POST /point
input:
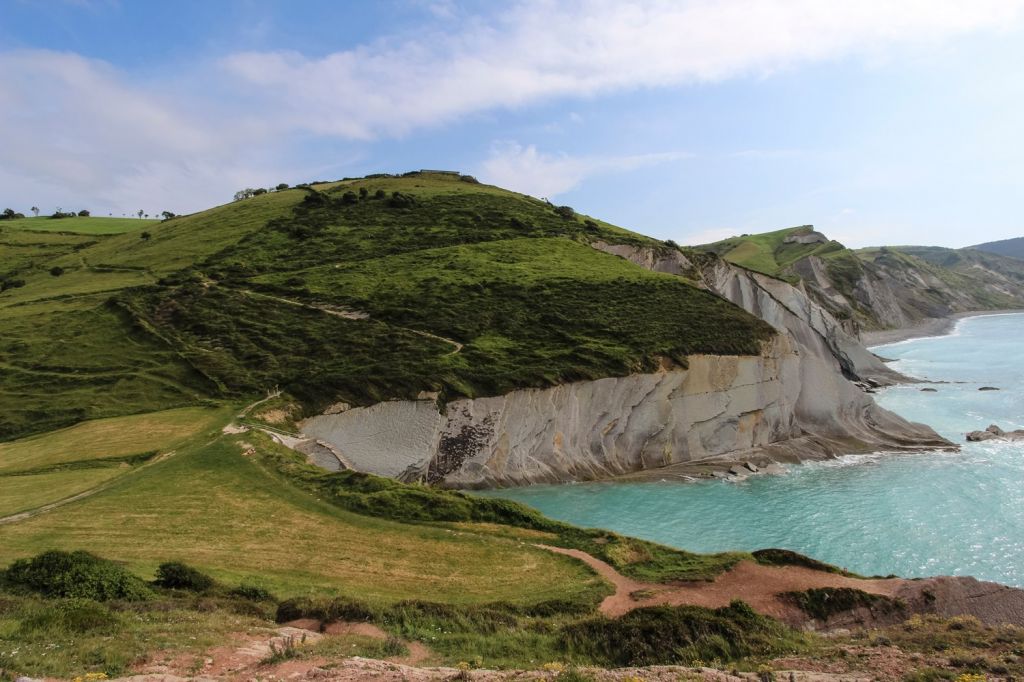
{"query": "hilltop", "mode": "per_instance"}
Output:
(1013, 248)
(880, 287)
(223, 303)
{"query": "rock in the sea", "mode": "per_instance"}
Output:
(929, 390)
(988, 388)
(751, 466)
(993, 432)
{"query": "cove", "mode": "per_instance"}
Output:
(932, 513)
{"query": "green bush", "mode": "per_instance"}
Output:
(77, 616)
(253, 593)
(77, 575)
(824, 602)
(178, 576)
(786, 557)
(326, 610)
(677, 635)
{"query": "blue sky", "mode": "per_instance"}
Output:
(880, 122)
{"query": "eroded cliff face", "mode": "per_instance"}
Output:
(795, 400)
(792, 312)
(718, 407)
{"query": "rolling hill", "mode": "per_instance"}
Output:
(1012, 248)
(885, 287)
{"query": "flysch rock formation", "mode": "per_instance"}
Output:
(794, 401)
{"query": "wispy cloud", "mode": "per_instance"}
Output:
(541, 49)
(90, 130)
(527, 170)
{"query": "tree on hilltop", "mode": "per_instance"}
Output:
(35, 211)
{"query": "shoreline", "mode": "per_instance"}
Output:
(930, 327)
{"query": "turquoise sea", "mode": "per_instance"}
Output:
(933, 513)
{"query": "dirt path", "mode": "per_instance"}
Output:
(755, 584)
(355, 315)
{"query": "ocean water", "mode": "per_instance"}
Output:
(932, 513)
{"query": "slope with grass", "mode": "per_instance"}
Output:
(883, 287)
(1012, 248)
(80, 225)
(461, 578)
(67, 352)
(43, 470)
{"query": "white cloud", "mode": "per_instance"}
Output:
(75, 133)
(541, 49)
(81, 131)
(529, 171)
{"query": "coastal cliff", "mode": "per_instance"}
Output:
(779, 405)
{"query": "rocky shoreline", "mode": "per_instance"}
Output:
(934, 326)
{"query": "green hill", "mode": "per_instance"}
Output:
(355, 291)
(1012, 248)
(880, 287)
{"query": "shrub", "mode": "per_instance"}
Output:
(78, 616)
(145, 236)
(75, 574)
(399, 200)
(470, 179)
(566, 212)
(823, 602)
(56, 271)
(10, 214)
(664, 635)
(83, 213)
(349, 198)
(380, 194)
(281, 186)
(785, 557)
(253, 593)
(178, 576)
(10, 283)
(340, 608)
(363, 193)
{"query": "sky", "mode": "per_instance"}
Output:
(877, 121)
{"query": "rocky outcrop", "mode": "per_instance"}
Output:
(993, 432)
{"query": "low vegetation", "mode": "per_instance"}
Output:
(824, 602)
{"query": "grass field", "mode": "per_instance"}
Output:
(223, 512)
(90, 225)
(26, 492)
(106, 438)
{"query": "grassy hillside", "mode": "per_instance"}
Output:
(359, 290)
(86, 225)
(69, 353)
(881, 287)
(1012, 248)
(771, 254)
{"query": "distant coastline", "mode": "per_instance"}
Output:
(934, 326)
